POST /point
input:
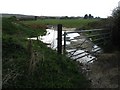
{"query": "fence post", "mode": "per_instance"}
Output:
(65, 42)
(59, 43)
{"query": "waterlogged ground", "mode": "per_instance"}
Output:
(102, 71)
(51, 40)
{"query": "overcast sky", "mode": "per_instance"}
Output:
(102, 8)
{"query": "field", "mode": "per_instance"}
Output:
(74, 23)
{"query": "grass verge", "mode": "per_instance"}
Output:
(31, 64)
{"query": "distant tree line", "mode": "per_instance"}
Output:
(88, 16)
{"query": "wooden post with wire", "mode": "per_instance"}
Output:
(59, 42)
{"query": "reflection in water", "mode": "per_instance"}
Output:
(51, 40)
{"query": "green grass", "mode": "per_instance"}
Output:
(75, 23)
(0, 22)
(50, 69)
(20, 30)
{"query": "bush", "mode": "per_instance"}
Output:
(116, 27)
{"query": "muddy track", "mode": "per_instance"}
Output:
(104, 72)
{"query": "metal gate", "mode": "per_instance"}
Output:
(86, 43)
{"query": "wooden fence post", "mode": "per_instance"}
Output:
(64, 51)
(59, 43)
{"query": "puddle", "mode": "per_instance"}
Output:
(51, 40)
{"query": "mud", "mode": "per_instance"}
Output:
(104, 72)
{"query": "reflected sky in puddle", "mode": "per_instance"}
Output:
(51, 39)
